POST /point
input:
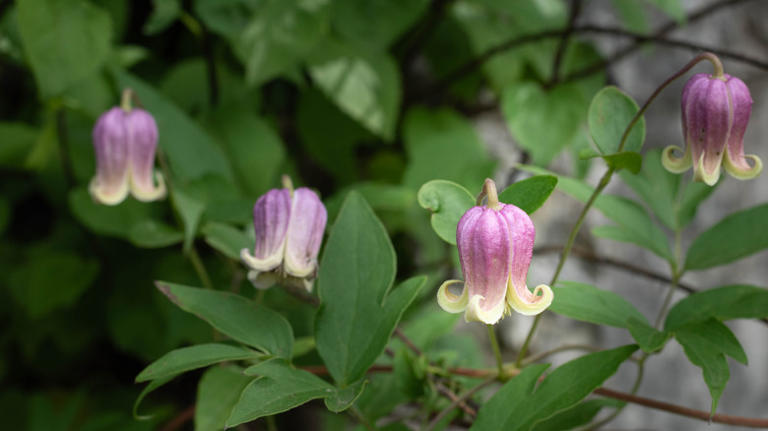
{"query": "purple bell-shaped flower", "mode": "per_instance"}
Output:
(289, 226)
(495, 248)
(125, 141)
(715, 113)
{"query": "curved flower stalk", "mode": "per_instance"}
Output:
(288, 225)
(495, 248)
(125, 142)
(715, 113)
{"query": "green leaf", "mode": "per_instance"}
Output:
(706, 344)
(280, 388)
(190, 211)
(164, 13)
(255, 150)
(217, 393)
(673, 8)
(542, 122)
(191, 152)
(529, 194)
(151, 386)
(189, 358)
(694, 194)
(381, 197)
(447, 201)
(518, 407)
(648, 338)
(363, 85)
(341, 399)
(51, 280)
(278, 36)
(375, 22)
(736, 236)
(609, 115)
(442, 144)
(151, 233)
(589, 304)
(358, 311)
(226, 239)
(234, 316)
(580, 414)
(18, 141)
(632, 14)
(117, 221)
(722, 303)
(65, 41)
(629, 160)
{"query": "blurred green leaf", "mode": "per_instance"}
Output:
(529, 194)
(18, 141)
(217, 393)
(381, 197)
(673, 8)
(190, 210)
(278, 36)
(648, 338)
(51, 280)
(442, 144)
(364, 85)
(358, 311)
(375, 22)
(65, 41)
(280, 388)
(447, 201)
(254, 148)
(516, 406)
(189, 358)
(226, 239)
(235, 316)
(706, 344)
(632, 14)
(150, 233)
(722, 303)
(580, 414)
(151, 386)
(191, 152)
(543, 123)
(164, 13)
(610, 113)
(342, 398)
(738, 235)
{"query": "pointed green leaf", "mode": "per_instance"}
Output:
(342, 399)
(587, 303)
(736, 236)
(609, 115)
(447, 201)
(190, 211)
(580, 414)
(723, 303)
(151, 386)
(151, 233)
(514, 407)
(226, 239)
(235, 316)
(280, 388)
(358, 311)
(184, 359)
(649, 339)
(217, 393)
(529, 194)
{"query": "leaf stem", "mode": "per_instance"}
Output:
(455, 403)
(496, 351)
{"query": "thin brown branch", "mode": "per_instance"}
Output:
(563, 45)
(414, 348)
(455, 399)
(458, 402)
(683, 411)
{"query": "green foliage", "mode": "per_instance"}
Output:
(189, 358)
(723, 303)
(447, 201)
(218, 392)
(610, 113)
(529, 194)
(358, 311)
(517, 406)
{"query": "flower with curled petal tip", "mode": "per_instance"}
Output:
(495, 248)
(125, 141)
(715, 113)
(288, 225)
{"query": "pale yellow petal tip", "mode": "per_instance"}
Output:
(543, 295)
(709, 178)
(113, 198)
(262, 280)
(260, 265)
(676, 165)
(152, 193)
(475, 313)
(743, 174)
(449, 301)
(308, 284)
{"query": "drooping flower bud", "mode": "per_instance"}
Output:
(715, 113)
(125, 141)
(495, 245)
(288, 226)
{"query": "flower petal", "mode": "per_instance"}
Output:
(735, 161)
(676, 165)
(542, 298)
(478, 310)
(110, 142)
(271, 214)
(305, 233)
(449, 301)
(142, 145)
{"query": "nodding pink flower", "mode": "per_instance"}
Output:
(495, 248)
(715, 113)
(288, 225)
(125, 141)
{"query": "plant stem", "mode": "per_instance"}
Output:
(202, 274)
(357, 414)
(455, 403)
(635, 387)
(496, 351)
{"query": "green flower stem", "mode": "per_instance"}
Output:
(202, 274)
(496, 351)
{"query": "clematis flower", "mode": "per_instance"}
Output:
(715, 113)
(125, 141)
(289, 226)
(495, 248)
